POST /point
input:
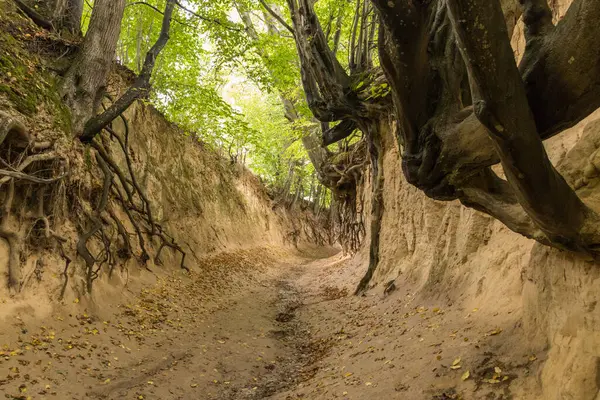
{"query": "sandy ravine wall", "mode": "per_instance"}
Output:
(447, 251)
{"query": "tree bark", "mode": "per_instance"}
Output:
(462, 106)
(501, 104)
(141, 86)
(67, 15)
(84, 83)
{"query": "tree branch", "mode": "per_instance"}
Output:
(339, 132)
(277, 17)
(208, 19)
(141, 86)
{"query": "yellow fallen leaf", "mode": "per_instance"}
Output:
(150, 383)
(465, 376)
(194, 385)
(107, 381)
(348, 374)
(455, 367)
(492, 381)
(532, 358)
(497, 370)
(368, 384)
(76, 301)
(495, 332)
(456, 362)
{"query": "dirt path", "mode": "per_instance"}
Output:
(185, 337)
(270, 329)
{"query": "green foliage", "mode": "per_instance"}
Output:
(223, 85)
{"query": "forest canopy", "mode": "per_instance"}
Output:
(223, 85)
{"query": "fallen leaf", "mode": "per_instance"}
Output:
(465, 376)
(492, 381)
(497, 370)
(456, 362)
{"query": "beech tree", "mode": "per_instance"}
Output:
(462, 104)
(85, 82)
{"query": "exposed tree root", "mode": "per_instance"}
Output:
(16, 156)
(376, 150)
(29, 170)
(35, 16)
(12, 237)
(97, 226)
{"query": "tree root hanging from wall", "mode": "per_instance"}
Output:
(376, 152)
(36, 180)
(28, 167)
(122, 186)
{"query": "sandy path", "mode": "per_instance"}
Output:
(279, 330)
(169, 341)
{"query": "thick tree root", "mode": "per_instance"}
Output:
(28, 169)
(17, 158)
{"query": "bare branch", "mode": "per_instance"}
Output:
(277, 17)
(339, 132)
(141, 86)
(208, 19)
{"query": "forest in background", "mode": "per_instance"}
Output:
(222, 77)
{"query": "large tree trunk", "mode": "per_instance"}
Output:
(67, 15)
(462, 106)
(85, 81)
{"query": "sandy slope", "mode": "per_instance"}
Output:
(277, 329)
(222, 334)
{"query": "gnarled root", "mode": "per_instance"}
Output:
(21, 165)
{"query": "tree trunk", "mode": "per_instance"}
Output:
(85, 81)
(67, 15)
